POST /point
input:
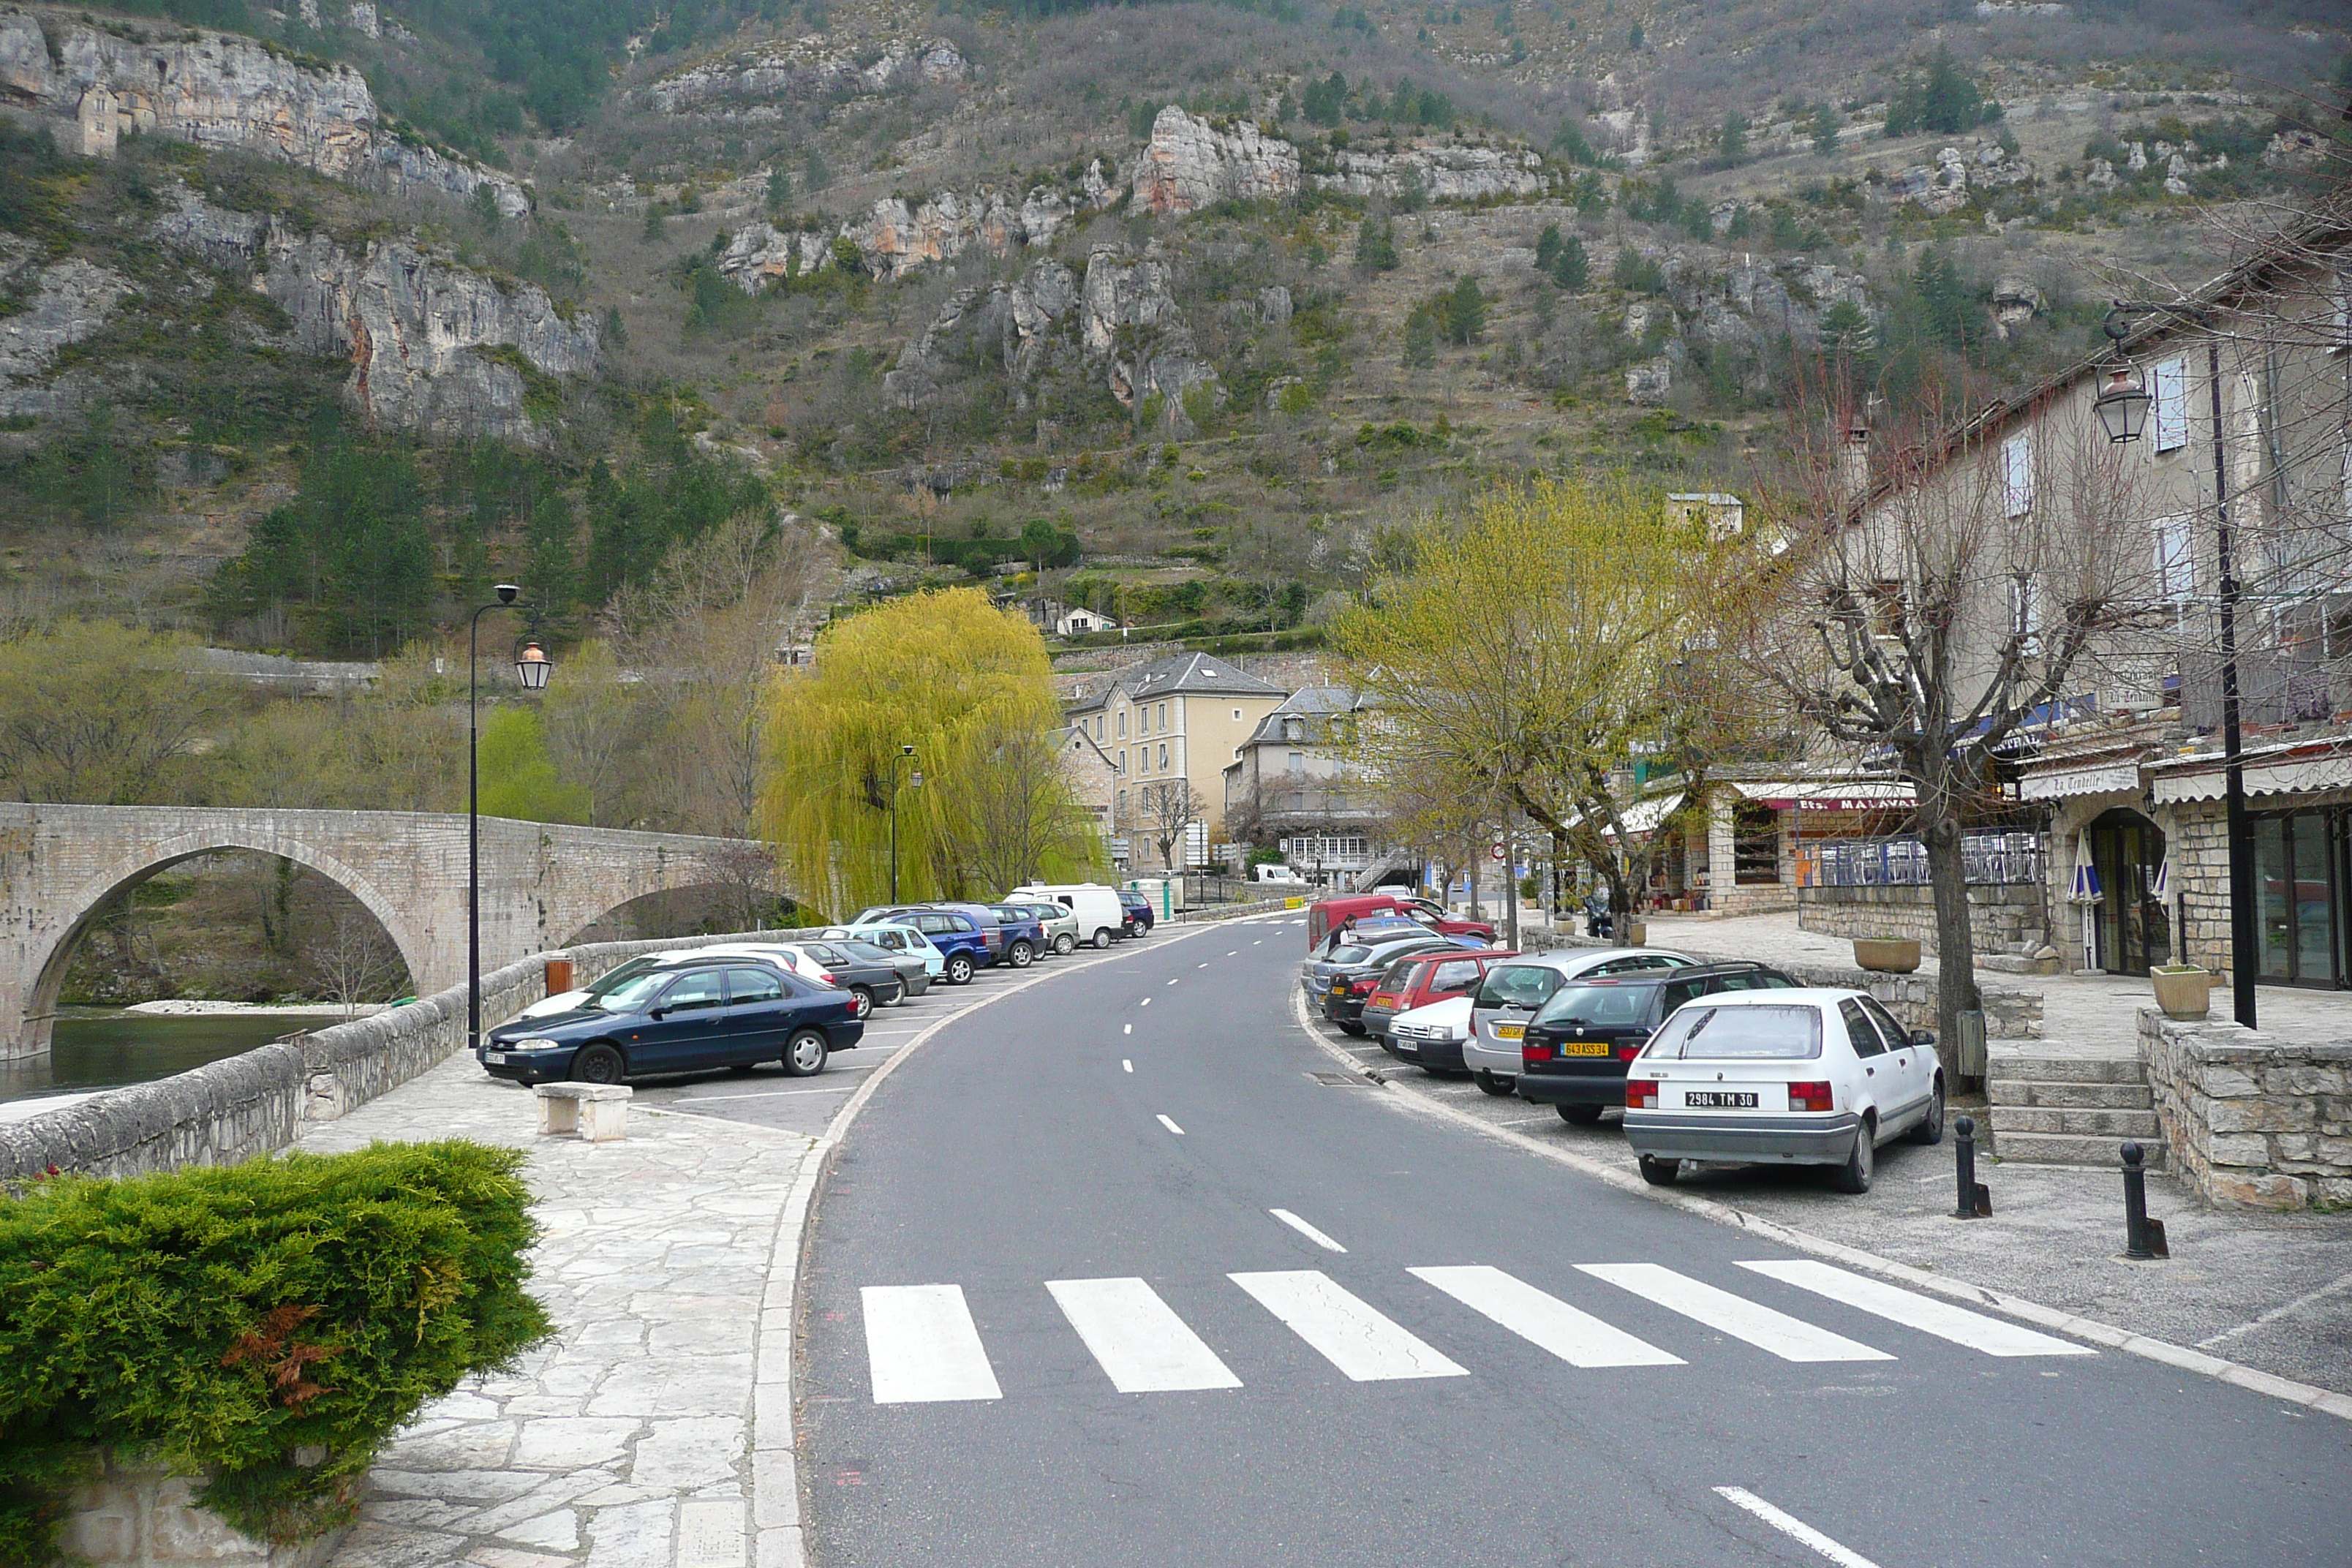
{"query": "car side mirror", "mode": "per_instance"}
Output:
(1923, 1037)
(658, 1012)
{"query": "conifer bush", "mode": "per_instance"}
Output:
(240, 1322)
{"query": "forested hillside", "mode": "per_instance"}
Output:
(1181, 309)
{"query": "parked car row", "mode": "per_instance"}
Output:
(1732, 1061)
(740, 1005)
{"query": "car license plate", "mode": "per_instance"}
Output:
(1717, 1099)
(495, 1059)
(1338, 988)
(1510, 1031)
(1584, 1049)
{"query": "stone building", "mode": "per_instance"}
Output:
(1292, 787)
(1175, 720)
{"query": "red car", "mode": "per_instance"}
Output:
(1416, 981)
(1326, 914)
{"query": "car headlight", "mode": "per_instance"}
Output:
(532, 1044)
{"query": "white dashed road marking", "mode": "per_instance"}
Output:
(1795, 1529)
(923, 1347)
(1172, 1126)
(1577, 1338)
(1308, 1231)
(1914, 1310)
(1347, 1332)
(1788, 1338)
(1142, 1346)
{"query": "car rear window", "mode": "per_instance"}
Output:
(1350, 952)
(1598, 1006)
(1519, 985)
(1700, 1032)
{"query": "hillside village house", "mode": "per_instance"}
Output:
(1292, 788)
(2122, 777)
(1183, 718)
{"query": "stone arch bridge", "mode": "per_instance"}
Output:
(541, 883)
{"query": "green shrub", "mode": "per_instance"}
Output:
(223, 1319)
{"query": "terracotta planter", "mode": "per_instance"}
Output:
(1886, 954)
(2182, 991)
(1637, 933)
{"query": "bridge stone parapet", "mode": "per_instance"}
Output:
(541, 883)
(250, 1104)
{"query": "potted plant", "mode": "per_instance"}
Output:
(2183, 990)
(1886, 954)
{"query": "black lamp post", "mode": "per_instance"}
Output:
(2122, 409)
(914, 781)
(532, 668)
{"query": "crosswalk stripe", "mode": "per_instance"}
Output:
(1577, 1338)
(1914, 1310)
(1788, 1338)
(1347, 1332)
(921, 1346)
(1139, 1341)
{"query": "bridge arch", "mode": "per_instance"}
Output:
(52, 946)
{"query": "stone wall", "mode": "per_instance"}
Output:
(2003, 917)
(2251, 1121)
(250, 1104)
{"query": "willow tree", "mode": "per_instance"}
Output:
(969, 687)
(1530, 648)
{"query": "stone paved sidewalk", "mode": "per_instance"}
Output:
(655, 1430)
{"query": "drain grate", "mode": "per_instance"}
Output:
(1341, 1079)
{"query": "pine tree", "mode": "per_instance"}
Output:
(1376, 246)
(1825, 131)
(1466, 313)
(1571, 268)
(780, 189)
(1734, 139)
(1546, 247)
(1420, 339)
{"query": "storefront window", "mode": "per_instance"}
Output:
(2271, 911)
(2299, 878)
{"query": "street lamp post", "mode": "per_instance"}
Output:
(2122, 408)
(532, 668)
(914, 781)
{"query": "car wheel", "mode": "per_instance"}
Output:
(805, 1053)
(1023, 954)
(1931, 1126)
(861, 1003)
(959, 969)
(598, 1064)
(1659, 1172)
(1103, 937)
(1066, 944)
(1579, 1115)
(1854, 1176)
(1490, 1083)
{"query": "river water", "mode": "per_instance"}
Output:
(105, 1048)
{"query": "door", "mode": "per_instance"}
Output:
(1883, 1082)
(1915, 1065)
(758, 1014)
(2126, 848)
(691, 1029)
(2299, 880)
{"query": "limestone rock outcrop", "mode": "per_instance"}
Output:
(220, 89)
(893, 238)
(62, 304)
(1192, 163)
(1440, 172)
(1128, 320)
(434, 347)
(748, 82)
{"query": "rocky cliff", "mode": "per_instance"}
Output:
(894, 237)
(1192, 163)
(218, 89)
(57, 305)
(434, 347)
(1439, 171)
(750, 83)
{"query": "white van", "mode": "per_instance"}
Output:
(1096, 905)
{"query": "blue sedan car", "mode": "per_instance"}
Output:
(685, 1016)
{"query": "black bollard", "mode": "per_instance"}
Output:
(2143, 1236)
(1975, 1199)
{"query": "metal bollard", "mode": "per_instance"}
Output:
(2143, 1236)
(1976, 1198)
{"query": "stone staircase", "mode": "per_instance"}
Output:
(2059, 1110)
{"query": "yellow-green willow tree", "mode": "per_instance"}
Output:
(1535, 643)
(968, 687)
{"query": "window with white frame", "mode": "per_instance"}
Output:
(2176, 562)
(2167, 391)
(2017, 475)
(1163, 756)
(2025, 613)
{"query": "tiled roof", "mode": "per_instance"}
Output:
(1181, 674)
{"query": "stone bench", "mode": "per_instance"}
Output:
(597, 1113)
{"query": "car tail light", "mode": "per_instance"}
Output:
(829, 979)
(1361, 988)
(1640, 1093)
(1627, 1053)
(1531, 1052)
(1810, 1097)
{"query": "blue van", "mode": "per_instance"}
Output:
(686, 1016)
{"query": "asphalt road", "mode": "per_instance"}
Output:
(1053, 1200)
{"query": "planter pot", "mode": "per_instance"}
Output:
(1886, 954)
(140, 1514)
(2183, 991)
(1637, 933)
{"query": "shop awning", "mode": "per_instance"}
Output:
(2087, 778)
(1643, 815)
(1825, 795)
(2283, 775)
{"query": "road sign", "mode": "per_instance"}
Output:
(1496, 852)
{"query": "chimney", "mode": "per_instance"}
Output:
(1854, 459)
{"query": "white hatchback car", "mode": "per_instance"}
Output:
(1796, 1077)
(1440, 1022)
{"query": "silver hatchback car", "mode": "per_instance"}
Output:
(1513, 991)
